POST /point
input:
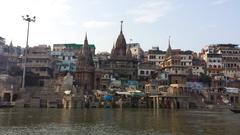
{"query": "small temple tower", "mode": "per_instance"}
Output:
(85, 69)
(176, 70)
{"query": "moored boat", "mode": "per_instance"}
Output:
(6, 105)
(235, 110)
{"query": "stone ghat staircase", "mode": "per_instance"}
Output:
(38, 97)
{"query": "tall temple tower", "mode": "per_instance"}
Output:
(123, 65)
(85, 69)
(177, 72)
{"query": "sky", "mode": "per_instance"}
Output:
(192, 24)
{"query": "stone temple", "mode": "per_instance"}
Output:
(122, 64)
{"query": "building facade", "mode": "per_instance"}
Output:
(39, 61)
(177, 69)
(198, 67)
(9, 55)
(67, 55)
(230, 59)
(222, 58)
(136, 51)
(157, 56)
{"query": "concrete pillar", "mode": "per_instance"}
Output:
(153, 103)
(120, 102)
(11, 97)
(70, 104)
(157, 102)
(172, 104)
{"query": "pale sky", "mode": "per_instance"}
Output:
(192, 24)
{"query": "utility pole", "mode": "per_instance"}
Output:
(28, 19)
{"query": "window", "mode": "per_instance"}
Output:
(147, 72)
(152, 57)
(141, 72)
(152, 72)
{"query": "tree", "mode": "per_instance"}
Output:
(205, 79)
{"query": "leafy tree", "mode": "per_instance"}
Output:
(205, 79)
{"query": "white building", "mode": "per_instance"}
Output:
(157, 56)
(136, 50)
(198, 67)
(223, 58)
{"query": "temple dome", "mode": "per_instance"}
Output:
(119, 50)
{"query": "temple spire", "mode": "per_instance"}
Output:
(11, 44)
(85, 41)
(85, 56)
(169, 50)
(169, 42)
(121, 26)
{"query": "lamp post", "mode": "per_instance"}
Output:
(28, 19)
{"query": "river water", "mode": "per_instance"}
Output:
(117, 122)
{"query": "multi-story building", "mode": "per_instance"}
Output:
(72, 47)
(214, 63)
(9, 56)
(146, 70)
(157, 56)
(2, 41)
(198, 66)
(136, 51)
(39, 61)
(222, 58)
(101, 60)
(177, 68)
(157, 85)
(67, 54)
(230, 59)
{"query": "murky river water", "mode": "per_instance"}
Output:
(118, 122)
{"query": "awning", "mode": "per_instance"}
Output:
(108, 97)
(123, 93)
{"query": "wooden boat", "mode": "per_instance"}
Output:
(6, 105)
(235, 110)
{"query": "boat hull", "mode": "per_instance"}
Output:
(235, 110)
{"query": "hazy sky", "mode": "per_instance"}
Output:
(192, 24)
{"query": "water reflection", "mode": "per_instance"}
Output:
(117, 121)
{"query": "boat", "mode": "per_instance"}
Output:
(235, 110)
(6, 105)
